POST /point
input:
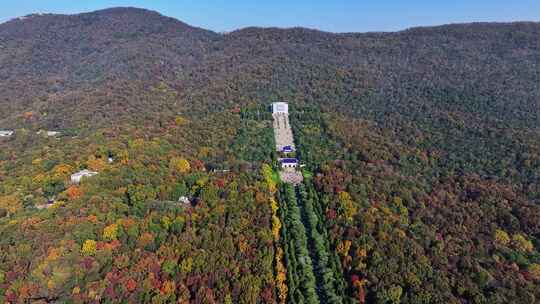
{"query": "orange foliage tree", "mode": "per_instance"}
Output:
(74, 192)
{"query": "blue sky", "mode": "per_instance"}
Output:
(328, 15)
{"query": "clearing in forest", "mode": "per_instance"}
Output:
(285, 144)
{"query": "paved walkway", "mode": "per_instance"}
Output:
(291, 176)
(284, 137)
(282, 131)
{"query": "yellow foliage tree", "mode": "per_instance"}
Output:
(344, 247)
(123, 157)
(243, 246)
(346, 207)
(89, 247)
(110, 232)
(62, 170)
(501, 238)
(361, 254)
(204, 152)
(186, 265)
(76, 290)
(281, 276)
(521, 243)
(276, 223)
(180, 121)
(180, 164)
(38, 178)
(137, 143)
(96, 164)
(267, 173)
(11, 203)
(534, 270)
(274, 206)
(276, 226)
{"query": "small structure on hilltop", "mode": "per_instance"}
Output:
(6, 133)
(77, 177)
(289, 163)
(280, 107)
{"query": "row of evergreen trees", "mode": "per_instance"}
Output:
(300, 276)
(328, 269)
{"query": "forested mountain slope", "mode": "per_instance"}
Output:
(422, 150)
(63, 59)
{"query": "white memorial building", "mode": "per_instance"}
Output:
(280, 107)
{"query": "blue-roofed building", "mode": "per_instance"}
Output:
(289, 162)
(287, 149)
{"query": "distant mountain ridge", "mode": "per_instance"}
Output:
(62, 57)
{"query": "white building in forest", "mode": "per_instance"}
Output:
(280, 107)
(49, 133)
(288, 163)
(6, 133)
(184, 200)
(77, 177)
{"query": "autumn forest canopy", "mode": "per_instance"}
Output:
(420, 155)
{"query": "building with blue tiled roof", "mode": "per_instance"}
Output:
(287, 149)
(289, 162)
